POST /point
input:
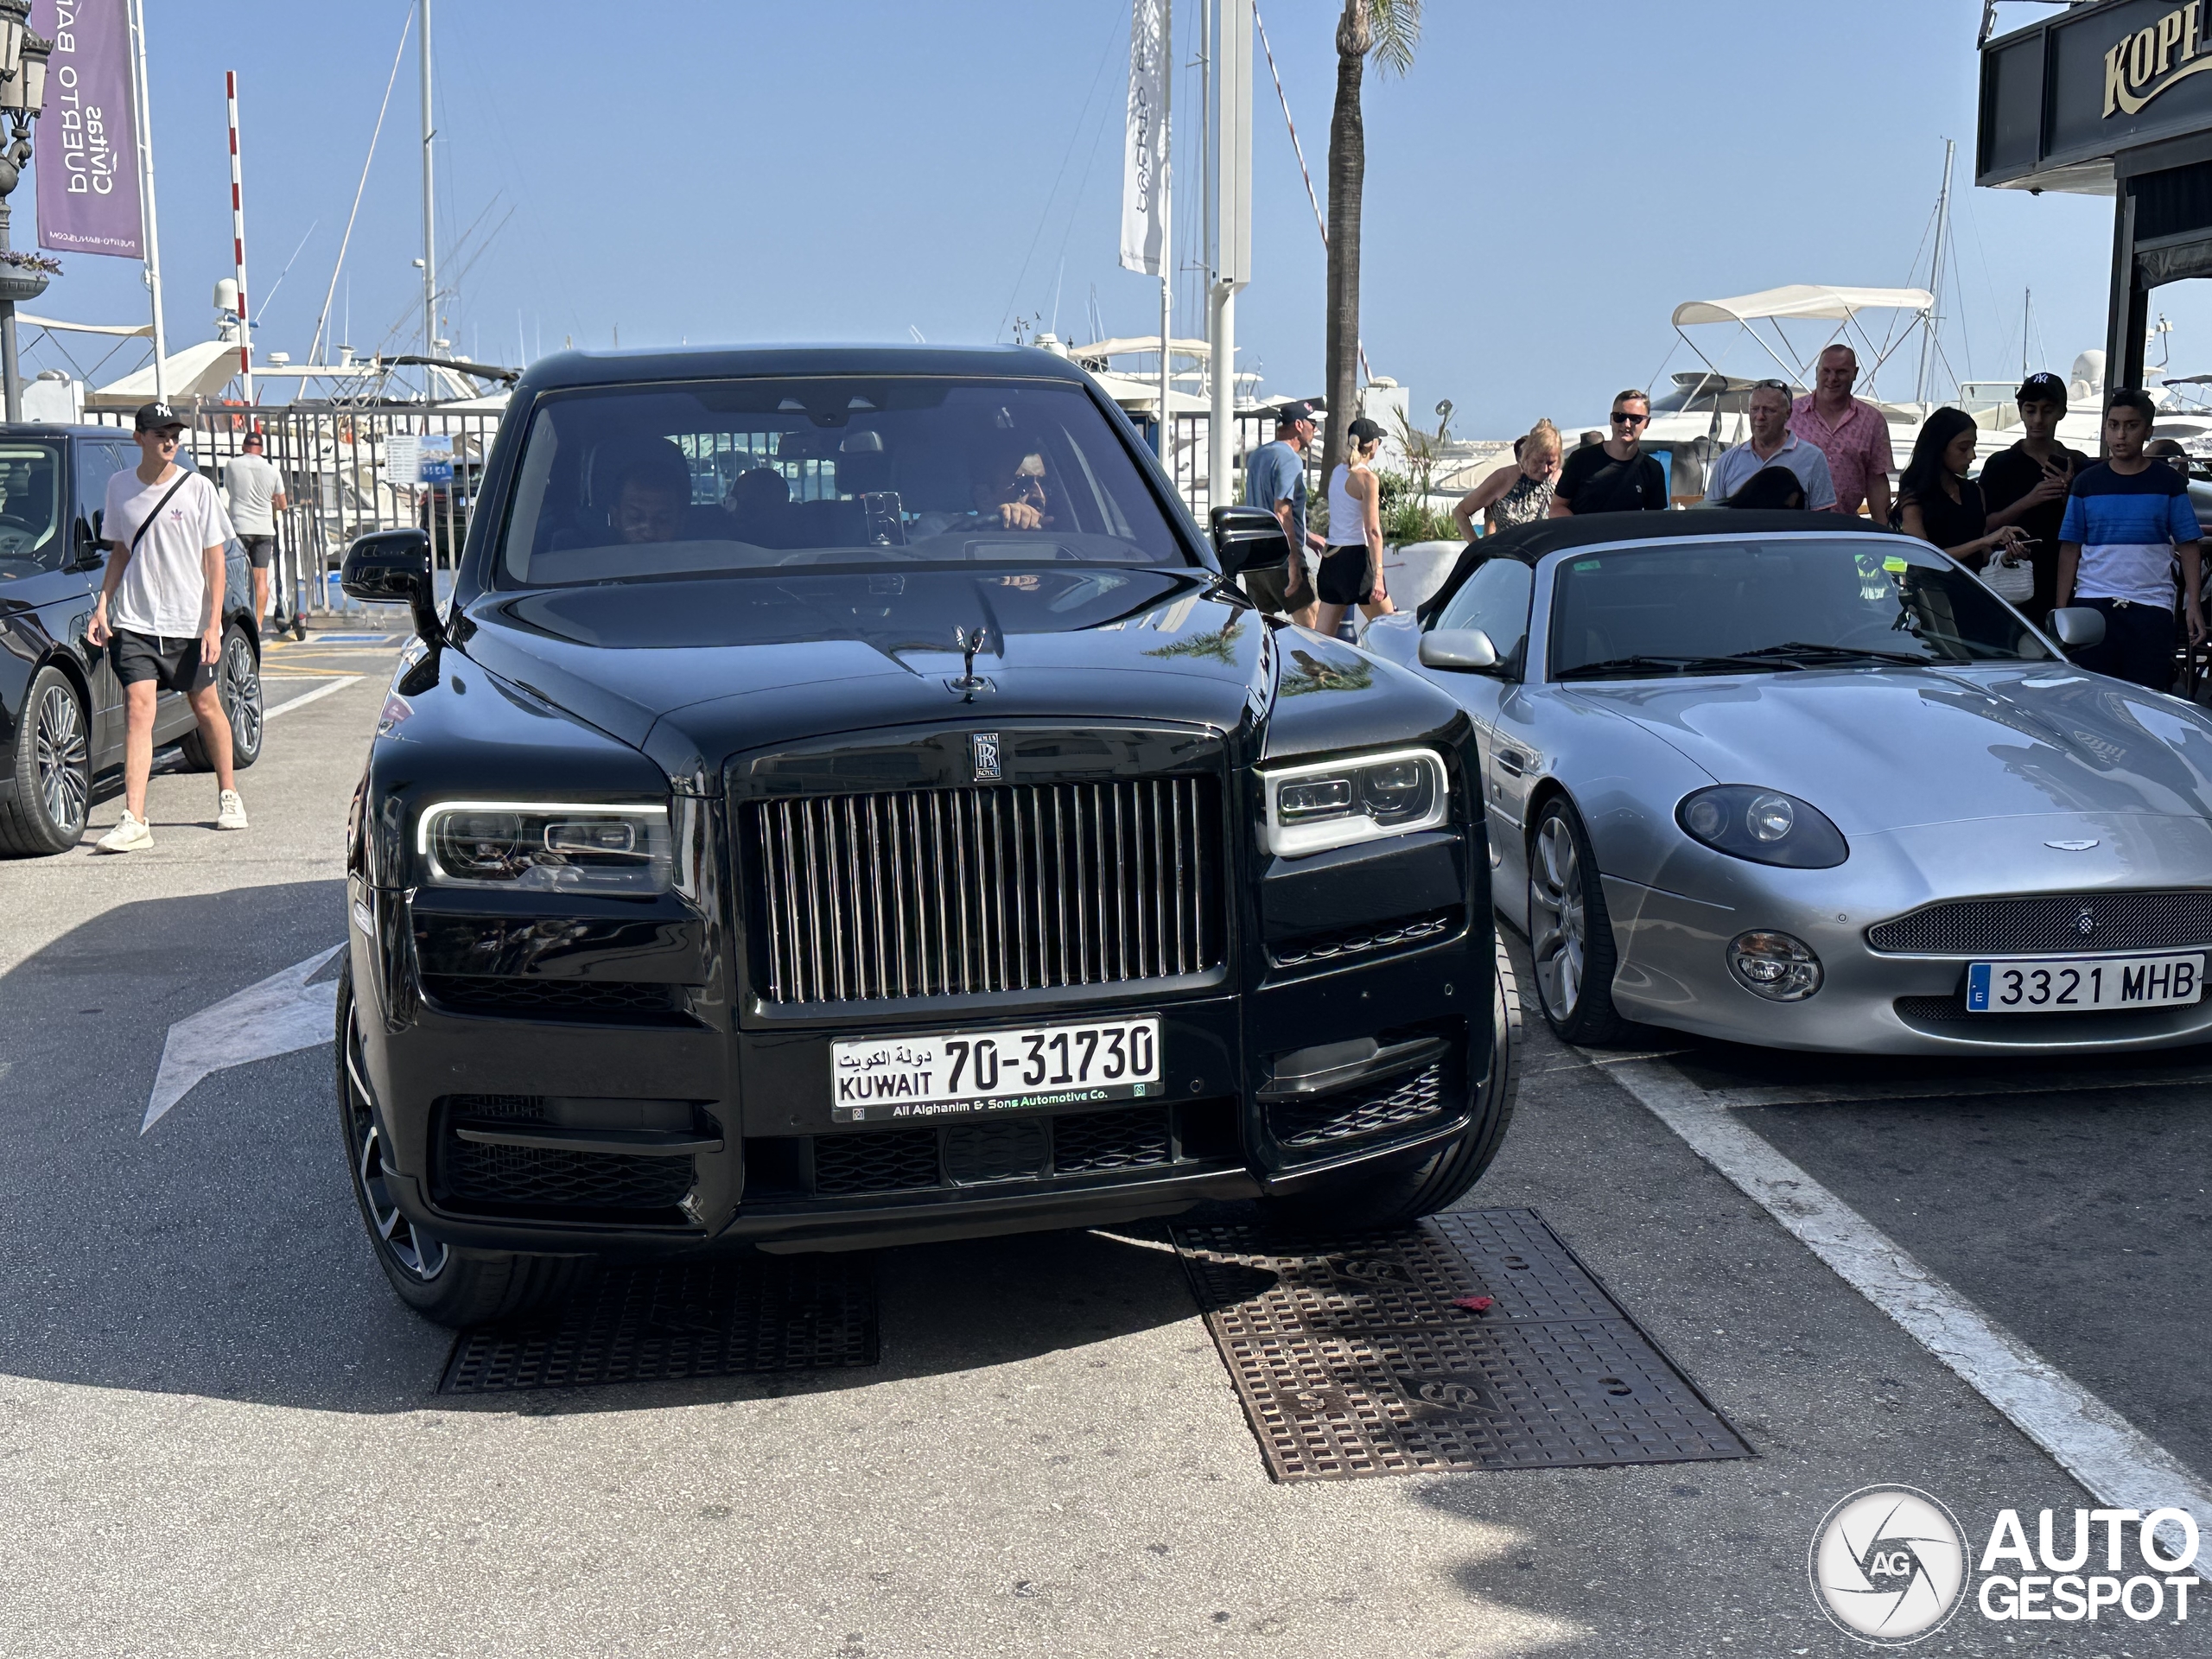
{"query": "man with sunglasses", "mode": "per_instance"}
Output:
(1615, 476)
(1852, 435)
(1771, 444)
(166, 530)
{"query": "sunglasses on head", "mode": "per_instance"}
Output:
(1622, 418)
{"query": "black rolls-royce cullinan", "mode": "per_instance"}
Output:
(844, 802)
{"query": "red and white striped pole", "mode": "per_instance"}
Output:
(238, 236)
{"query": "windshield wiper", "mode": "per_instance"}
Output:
(1794, 649)
(1648, 664)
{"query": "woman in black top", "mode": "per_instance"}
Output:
(1937, 502)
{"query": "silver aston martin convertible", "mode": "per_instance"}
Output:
(1788, 780)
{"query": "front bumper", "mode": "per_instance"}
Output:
(1673, 940)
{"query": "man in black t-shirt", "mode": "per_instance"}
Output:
(1615, 476)
(2026, 485)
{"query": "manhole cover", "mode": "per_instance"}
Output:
(698, 1318)
(1352, 1356)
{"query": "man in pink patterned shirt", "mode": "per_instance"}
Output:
(1851, 434)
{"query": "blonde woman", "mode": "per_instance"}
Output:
(1351, 570)
(1519, 494)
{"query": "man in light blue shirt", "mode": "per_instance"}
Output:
(1275, 477)
(1772, 444)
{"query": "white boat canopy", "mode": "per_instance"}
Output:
(1805, 299)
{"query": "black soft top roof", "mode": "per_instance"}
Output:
(1530, 543)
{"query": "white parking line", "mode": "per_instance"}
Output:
(2117, 1463)
(306, 697)
(1961, 1087)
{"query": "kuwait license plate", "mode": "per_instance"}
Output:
(2081, 984)
(1029, 1069)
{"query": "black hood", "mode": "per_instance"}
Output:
(691, 671)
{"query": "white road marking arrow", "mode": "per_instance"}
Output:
(281, 1014)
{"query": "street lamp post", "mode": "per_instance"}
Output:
(23, 95)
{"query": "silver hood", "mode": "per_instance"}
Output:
(1888, 749)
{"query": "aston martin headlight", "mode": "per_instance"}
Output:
(546, 847)
(1365, 797)
(1775, 965)
(1762, 825)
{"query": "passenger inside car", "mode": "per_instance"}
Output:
(655, 491)
(758, 503)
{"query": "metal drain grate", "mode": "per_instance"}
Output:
(1351, 1358)
(695, 1319)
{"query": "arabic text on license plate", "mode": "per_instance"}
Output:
(966, 1072)
(2083, 984)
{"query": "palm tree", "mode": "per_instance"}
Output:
(1388, 31)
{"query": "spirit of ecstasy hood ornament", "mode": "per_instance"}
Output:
(970, 640)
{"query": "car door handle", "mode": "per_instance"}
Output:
(1511, 762)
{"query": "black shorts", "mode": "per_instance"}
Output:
(173, 665)
(1343, 578)
(2137, 646)
(259, 550)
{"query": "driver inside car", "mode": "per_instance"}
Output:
(654, 495)
(1010, 486)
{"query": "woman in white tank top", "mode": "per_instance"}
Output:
(1351, 570)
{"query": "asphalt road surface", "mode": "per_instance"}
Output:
(219, 1434)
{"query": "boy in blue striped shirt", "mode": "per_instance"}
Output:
(2127, 519)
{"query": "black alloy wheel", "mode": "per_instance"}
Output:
(42, 812)
(446, 1285)
(1359, 1201)
(238, 682)
(1570, 935)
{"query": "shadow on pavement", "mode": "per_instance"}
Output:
(221, 1253)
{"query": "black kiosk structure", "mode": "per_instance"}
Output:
(2112, 98)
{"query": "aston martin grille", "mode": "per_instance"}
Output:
(959, 891)
(2051, 921)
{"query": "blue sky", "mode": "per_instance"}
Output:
(1541, 189)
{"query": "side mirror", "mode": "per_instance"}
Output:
(1249, 539)
(2078, 626)
(393, 566)
(1468, 651)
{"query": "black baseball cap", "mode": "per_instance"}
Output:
(153, 417)
(1292, 413)
(2042, 387)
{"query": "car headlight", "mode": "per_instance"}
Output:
(1762, 825)
(1777, 966)
(546, 847)
(1330, 804)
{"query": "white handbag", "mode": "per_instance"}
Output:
(2014, 582)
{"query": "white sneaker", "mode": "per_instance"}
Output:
(230, 813)
(130, 834)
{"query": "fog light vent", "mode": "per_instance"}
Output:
(1775, 966)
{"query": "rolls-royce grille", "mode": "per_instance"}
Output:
(958, 892)
(2076, 922)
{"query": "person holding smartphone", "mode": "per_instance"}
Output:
(2026, 484)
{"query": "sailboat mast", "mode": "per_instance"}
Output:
(429, 223)
(1167, 227)
(1928, 339)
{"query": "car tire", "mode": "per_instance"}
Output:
(1364, 1201)
(446, 1286)
(1570, 934)
(43, 810)
(238, 681)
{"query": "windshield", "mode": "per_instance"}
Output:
(717, 476)
(1749, 607)
(31, 509)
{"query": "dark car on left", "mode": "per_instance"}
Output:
(60, 705)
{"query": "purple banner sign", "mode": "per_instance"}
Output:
(87, 154)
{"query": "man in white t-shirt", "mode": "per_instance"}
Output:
(160, 614)
(254, 493)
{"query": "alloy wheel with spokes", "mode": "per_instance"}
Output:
(416, 1253)
(1570, 935)
(65, 778)
(242, 697)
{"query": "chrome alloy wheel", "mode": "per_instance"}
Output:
(420, 1255)
(242, 693)
(1557, 928)
(65, 780)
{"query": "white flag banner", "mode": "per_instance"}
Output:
(1144, 165)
